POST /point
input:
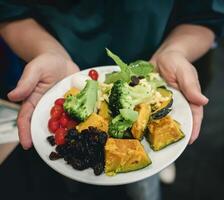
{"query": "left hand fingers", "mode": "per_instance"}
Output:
(189, 84)
(197, 112)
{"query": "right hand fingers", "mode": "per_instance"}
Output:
(24, 118)
(26, 84)
(24, 92)
(23, 123)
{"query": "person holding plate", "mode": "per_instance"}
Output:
(58, 38)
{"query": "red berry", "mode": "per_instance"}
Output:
(60, 136)
(59, 101)
(93, 74)
(56, 111)
(53, 125)
(64, 121)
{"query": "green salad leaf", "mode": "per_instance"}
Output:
(141, 68)
(124, 74)
(137, 68)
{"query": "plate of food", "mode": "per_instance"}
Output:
(111, 125)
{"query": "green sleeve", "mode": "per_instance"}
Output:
(12, 10)
(208, 13)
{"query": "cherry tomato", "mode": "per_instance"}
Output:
(65, 114)
(59, 101)
(93, 74)
(71, 124)
(53, 125)
(56, 111)
(60, 136)
(64, 121)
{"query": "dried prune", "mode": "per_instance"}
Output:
(72, 135)
(51, 140)
(102, 138)
(98, 168)
(54, 156)
(62, 149)
(78, 164)
(83, 150)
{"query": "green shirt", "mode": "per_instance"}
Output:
(133, 29)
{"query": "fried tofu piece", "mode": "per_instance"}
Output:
(94, 120)
(164, 132)
(124, 155)
(139, 126)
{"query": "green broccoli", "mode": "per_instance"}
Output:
(83, 104)
(119, 126)
(124, 96)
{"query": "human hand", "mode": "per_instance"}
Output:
(182, 75)
(38, 76)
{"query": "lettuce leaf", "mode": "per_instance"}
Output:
(137, 68)
(124, 74)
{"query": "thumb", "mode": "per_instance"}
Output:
(26, 84)
(189, 85)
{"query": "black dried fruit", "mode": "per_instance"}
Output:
(83, 150)
(78, 164)
(72, 134)
(54, 156)
(102, 138)
(51, 140)
(61, 149)
(98, 169)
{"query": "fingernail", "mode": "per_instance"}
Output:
(10, 94)
(205, 99)
(190, 142)
(27, 146)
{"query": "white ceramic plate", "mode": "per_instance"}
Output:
(161, 159)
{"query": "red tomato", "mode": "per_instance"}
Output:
(53, 125)
(59, 101)
(65, 114)
(71, 124)
(56, 111)
(60, 136)
(93, 74)
(64, 121)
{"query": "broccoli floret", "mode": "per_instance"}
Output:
(124, 96)
(118, 127)
(83, 104)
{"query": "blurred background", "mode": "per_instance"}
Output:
(199, 170)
